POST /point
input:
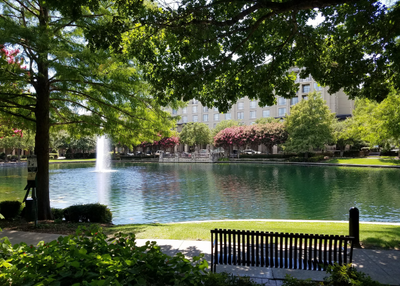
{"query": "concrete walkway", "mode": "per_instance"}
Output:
(382, 265)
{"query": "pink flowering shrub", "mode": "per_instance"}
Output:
(269, 134)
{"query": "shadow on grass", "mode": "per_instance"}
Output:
(387, 239)
(131, 228)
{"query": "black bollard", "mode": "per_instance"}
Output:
(354, 226)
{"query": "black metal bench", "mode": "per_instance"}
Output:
(279, 250)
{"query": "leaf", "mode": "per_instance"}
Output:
(75, 264)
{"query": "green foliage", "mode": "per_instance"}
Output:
(224, 124)
(344, 275)
(189, 52)
(57, 213)
(90, 258)
(195, 133)
(88, 212)
(265, 120)
(378, 123)
(310, 125)
(10, 209)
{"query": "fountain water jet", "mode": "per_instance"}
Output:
(103, 160)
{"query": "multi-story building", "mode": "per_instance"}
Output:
(247, 111)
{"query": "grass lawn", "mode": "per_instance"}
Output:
(387, 161)
(72, 160)
(371, 235)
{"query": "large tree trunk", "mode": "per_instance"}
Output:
(42, 140)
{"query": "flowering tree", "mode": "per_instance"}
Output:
(231, 136)
(269, 134)
(163, 144)
(273, 134)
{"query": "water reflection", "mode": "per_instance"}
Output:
(142, 193)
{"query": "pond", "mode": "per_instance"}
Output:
(146, 193)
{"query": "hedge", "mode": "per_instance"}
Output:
(10, 209)
(88, 213)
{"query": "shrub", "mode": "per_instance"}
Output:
(297, 159)
(344, 275)
(3, 156)
(351, 153)
(10, 209)
(57, 213)
(90, 258)
(88, 212)
(317, 158)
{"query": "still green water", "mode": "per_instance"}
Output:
(144, 193)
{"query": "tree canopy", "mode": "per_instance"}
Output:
(310, 125)
(218, 52)
(224, 124)
(51, 80)
(378, 123)
(195, 133)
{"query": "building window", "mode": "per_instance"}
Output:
(184, 110)
(195, 118)
(252, 123)
(253, 114)
(240, 105)
(317, 87)
(184, 119)
(205, 117)
(306, 88)
(216, 117)
(194, 108)
(205, 109)
(266, 113)
(281, 111)
(214, 125)
(294, 100)
(216, 109)
(281, 101)
(174, 111)
(305, 97)
(253, 104)
(240, 115)
(194, 101)
(228, 116)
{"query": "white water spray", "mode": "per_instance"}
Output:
(103, 158)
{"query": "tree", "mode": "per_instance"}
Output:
(224, 124)
(345, 134)
(219, 53)
(265, 120)
(195, 133)
(67, 85)
(378, 123)
(309, 125)
(274, 133)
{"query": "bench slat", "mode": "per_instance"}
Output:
(279, 250)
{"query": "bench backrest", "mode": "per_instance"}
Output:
(279, 250)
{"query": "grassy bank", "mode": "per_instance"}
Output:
(366, 161)
(371, 235)
(72, 160)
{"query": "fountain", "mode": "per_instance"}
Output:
(103, 160)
